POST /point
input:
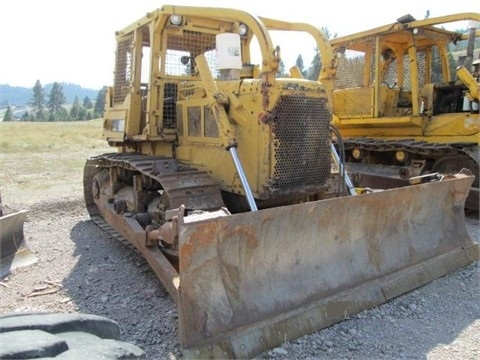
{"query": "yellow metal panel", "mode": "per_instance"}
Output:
(114, 124)
(353, 103)
(451, 125)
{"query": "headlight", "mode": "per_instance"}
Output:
(357, 153)
(176, 20)
(242, 29)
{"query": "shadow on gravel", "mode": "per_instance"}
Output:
(113, 280)
(416, 325)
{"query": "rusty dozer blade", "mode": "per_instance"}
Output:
(250, 281)
(13, 248)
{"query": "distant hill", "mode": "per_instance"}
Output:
(20, 96)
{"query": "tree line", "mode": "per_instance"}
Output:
(52, 107)
(311, 72)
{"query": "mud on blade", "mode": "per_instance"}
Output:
(249, 281)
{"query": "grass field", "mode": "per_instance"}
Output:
(41, 160)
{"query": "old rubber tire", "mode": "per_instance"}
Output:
(453, 164)
(63, 336)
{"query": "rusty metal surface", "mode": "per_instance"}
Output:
(133, 232)
(14, 251)
(387, 177)
(249, 281)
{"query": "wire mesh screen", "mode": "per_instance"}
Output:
(351, 97)
(170, 105)
(351, 66)
(421, 63)
(391, 75)
(183, 49)
(123, 71)
(302, 152)
(391, 78)
(350, 70)
(354, 86)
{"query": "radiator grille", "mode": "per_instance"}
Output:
(302, 144)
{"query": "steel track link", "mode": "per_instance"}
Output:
(183, 185)
(409, 145)
(102, 224)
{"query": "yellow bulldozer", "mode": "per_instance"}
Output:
(226, 180)
(404, 105)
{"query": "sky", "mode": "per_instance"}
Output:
(73, 41)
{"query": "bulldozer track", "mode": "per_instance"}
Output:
(424, 150)
(102, 224)
(442, 157)
(409, 145)
(182, 185)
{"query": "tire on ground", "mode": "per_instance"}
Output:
(63, 336)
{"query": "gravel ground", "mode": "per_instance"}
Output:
(81, 269)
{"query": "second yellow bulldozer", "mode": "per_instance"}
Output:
(404, 105)
(225, 178)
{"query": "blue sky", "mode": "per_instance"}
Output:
(73, 41)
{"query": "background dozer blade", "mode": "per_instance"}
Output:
(13, 249)
(250, 281)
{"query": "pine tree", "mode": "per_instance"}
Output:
(87, 103)
(328, 34)
(38, 102)
(26, 116)
(316, 64)
(453, 66)
(281, 73)
(56, 99)
(63, 115)
(100, 103)
(315, 67)
(8, 114)
(300, 65)
(76, 110)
